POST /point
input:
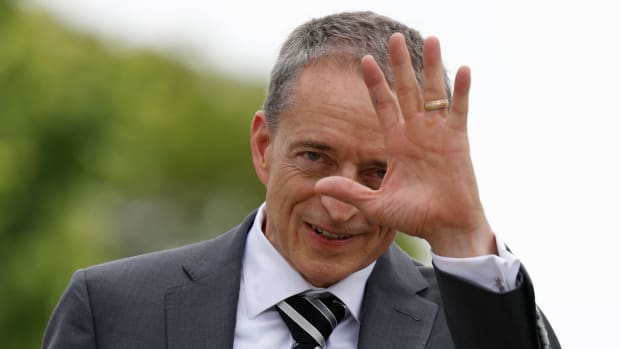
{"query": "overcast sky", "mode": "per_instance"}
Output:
(543, 122)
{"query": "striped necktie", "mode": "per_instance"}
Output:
(311, 318)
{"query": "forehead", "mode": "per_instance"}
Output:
(331, 103)
(337, 90)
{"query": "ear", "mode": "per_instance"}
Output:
(260, 142)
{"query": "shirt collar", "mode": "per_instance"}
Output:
(268, 278)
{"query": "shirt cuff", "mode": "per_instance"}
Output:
(494, 273)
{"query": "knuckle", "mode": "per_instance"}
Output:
(405, 90)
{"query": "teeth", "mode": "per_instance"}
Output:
(330, 235)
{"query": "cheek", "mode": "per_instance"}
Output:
(383, 241)
(289, 182)
(286, 190)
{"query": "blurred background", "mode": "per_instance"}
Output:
(107, 151)
(124, 129)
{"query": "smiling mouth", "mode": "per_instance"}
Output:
(329, 235)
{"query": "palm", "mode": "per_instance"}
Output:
(429, 189)
(430, 183)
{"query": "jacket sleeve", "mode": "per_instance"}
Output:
(71, 324)
(479, 318)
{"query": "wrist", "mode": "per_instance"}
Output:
(458, 243)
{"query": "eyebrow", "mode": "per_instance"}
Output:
(311, 144)
(380, 164)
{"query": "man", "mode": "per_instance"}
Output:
(356, 142)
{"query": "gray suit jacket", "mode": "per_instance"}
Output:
(187, 298)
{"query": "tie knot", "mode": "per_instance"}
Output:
(311, 318)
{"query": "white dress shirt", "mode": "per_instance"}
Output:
(267, 279)
(495, 273)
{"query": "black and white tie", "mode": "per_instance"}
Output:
(311, 318)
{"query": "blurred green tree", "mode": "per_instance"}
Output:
(106, 152)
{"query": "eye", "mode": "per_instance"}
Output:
(377, 173)
(374, 177)
(312, 156)
(314, 163)
(381, 172)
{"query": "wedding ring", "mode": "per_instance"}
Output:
(436, 104)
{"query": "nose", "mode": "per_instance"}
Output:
(338, 211)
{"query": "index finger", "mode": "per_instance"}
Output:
(382, 98)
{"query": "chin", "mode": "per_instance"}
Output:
(325, 274)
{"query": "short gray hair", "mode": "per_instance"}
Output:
(346, 36)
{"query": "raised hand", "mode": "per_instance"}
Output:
(429, 189)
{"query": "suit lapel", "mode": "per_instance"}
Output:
(393, 312)
(202, 313)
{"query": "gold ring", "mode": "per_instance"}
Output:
(436, 104)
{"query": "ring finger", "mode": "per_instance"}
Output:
(434, 84)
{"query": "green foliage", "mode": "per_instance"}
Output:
(105, 153)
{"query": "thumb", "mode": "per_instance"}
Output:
(346, 190)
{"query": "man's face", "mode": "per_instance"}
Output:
(331, 130)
